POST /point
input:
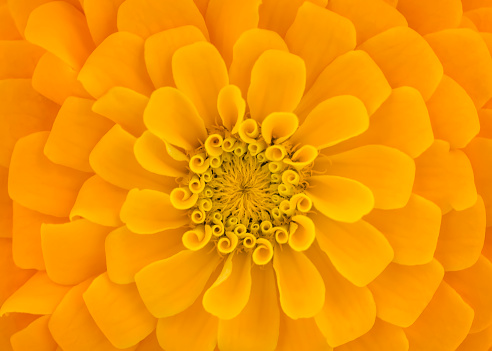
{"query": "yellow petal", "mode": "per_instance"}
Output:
(101, 17)
(369, 17)
(118, 311)
(231, 107)
(318, 36)
(36, 336)
(73, 251)
(124, 107)
(113, 160)
(75, 133)
(149, 211)
(120, 52)
(300, 334)
(402, 292)
(279, 126)
(357, 250)
(19, 58)
(340, 198)
(466, 59)
(349, 311)
(171, 115)
(248, 48)
(303, 235)
(461, 238)
(39, 295)
(227, 20)
(445, 177)
(62, 30)
(39, 184)
(348, 118)
(200, 72)
(152, 16)
(127, 252)
(277, 84)
(412, 231)
(353, 73)
(160, 48)
(443, 325)
(293, 269)
(171, 285)
(257, 326)
(395, 50)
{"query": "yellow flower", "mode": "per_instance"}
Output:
(245, 175)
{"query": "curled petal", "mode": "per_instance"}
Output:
(302, 202)
(231, 107)
(263, 252)
(248, 131)
(227, 244)
(213, 145)
(197, 238)
(303, 234)
(279, 126)
(302, 157)
(183, 198)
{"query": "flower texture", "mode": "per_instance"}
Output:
(246, 175)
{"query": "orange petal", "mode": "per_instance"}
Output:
(5, 205)
(257, 326)
(319, 36)
(75, 133)
(340, 198)
(127, 252)
(443, 325)
(481, 341)
(481, 18)
(300, 334)
(277, 84)
(38, 184)
(118, 311)
(36, 336)
(227, 20)
(349, 311)
(248, 48)
(466, 59)
(357, 250)
(445, 177)
(200, 72)
(171, 115)
(412, 231)
(73, 251)
(160, 48)
(152, 16)
(113, 160)
(8, 30)
(353, 73)
(150, 343)
(19, 58)
(485, 117)
(101, 17)
(62, 30)
(120, 52)
(395, 50)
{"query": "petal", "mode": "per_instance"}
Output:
(349, 311)
(340, 198)
(114, 161)
(62, 30)
(36, 336)
(466, 59)
(171, 285)
(485, 117)
(39, 295)
(319, 36)
(127, 252)
(73, 251)
(257, 326)
(277, 84)
(294, 269)
(149, 211)
(124, 107)
(171, 115)
(231, 107)
(150, 343)
(38, 184)
(19, 58)
(353, 73)
(8, 30)
(101, 17)
(120, 52)
(118, 311)
(402, 292)
(5, 205)
(279, 126)
(229, 294)
(152, 16)
(227, 20)
(395, 51)
(480, 18)
(75, 133)
(347, 119)
(369, 17)
(300, 334)
(443, 325)
(445, 177)
(428, 17)
(160, 48)
(358, 251)
(247, 49)
(481, 341)
(387, 172)
(412, 231)
(200, 72)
